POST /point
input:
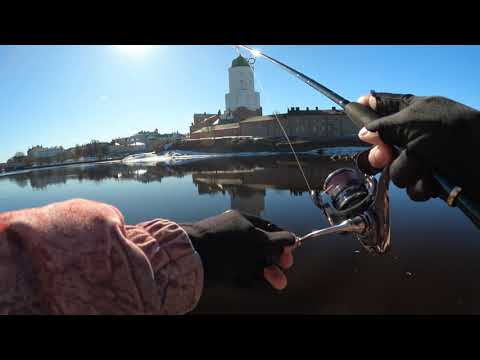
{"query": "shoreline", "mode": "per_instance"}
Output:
(176, 154)
(27, 169)
(238, 144)
(180, 157)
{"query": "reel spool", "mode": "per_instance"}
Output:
(354, 202)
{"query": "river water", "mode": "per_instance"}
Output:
(432, 268)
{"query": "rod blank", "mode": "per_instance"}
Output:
(337, 99)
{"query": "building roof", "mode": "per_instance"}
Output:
(217, 127)
(316, 111)
(240, 61)
(304, 114)
(262, 118)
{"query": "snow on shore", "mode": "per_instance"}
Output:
(181, 157)
(178, 157)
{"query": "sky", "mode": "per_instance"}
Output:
(67, 95)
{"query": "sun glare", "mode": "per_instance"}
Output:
(133, 50)
(256, 53)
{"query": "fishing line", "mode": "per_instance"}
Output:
(293, 151)
(261, 88)
(362, 209)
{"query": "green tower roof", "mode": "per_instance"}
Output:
(240, 61)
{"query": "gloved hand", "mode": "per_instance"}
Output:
(437, 134)
(240, 249)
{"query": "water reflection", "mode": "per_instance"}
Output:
(432, 267)
(245, 180)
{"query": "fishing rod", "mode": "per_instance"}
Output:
(362, 115)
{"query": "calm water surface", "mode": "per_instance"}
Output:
(433, 266)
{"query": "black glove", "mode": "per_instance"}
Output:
(235, 247)
(438, 134)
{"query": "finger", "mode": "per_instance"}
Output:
(405, 170)
(363, 164)
(370, 137)
(368, 100)
(423, 189)
(380, 156)
(275, 277)
(286, 259)
(282, 257)
(364, 100)
(279, 252)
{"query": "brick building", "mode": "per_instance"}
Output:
(313, 124)
(203, 120)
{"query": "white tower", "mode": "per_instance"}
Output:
(242, 90)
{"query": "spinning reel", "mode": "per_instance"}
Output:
(354, 202)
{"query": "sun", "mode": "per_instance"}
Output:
(256, 53)
(133, 50)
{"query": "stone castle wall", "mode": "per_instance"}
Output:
(313, 124)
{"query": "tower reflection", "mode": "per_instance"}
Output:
(245, 179)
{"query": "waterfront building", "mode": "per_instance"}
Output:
(202, 122)
(150, 139)
(40, 152)
(242, 101)
(307, 123)
(199, 120)
(243, 115)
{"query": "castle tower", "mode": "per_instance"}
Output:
(242, 92)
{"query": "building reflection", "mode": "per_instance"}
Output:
(248, 200)
(246, 180)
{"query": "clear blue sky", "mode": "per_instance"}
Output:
(63, 95)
